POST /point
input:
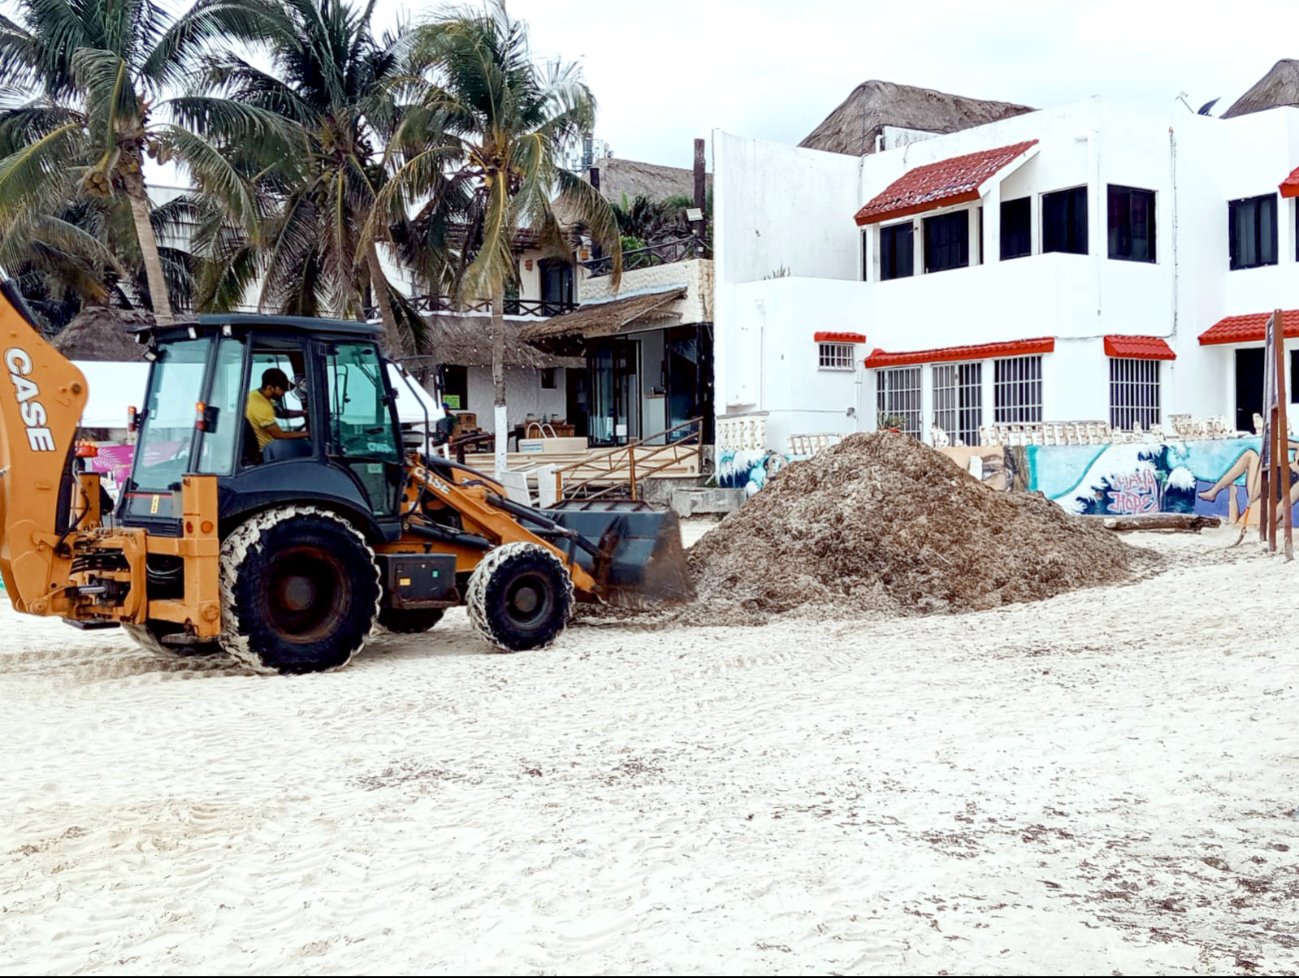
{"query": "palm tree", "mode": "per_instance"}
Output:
(335, 84)
(76, 125)
(508, 120)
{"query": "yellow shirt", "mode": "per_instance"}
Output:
(260, 413)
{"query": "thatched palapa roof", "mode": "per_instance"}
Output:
(463, 341)
(605, 318)
(1278, 87)
(628, 177)
(852, 127)
(98, 333)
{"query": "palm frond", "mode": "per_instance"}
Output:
(41, 175)
(105, 78)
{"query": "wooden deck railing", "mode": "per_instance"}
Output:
(625, 468)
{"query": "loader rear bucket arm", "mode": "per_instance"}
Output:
(41, 403)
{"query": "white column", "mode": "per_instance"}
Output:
(1035, 224)
(992, 223)
(926, 401)
(972, 230)
(1285, 240)
(917, 246)
(989, 395)
(1097, 233)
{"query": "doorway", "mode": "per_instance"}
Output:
(1249, 387)
(614, 371)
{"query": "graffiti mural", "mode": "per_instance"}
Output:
(1219, 477)
(748, 469)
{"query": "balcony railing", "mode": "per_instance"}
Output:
(513, 307)
(682, 249)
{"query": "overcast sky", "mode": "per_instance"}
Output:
(666, 71)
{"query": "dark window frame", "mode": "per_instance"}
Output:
(1248, 243)
(892, 264)
(1022, 237)
(947, 241)
(1065, 221)
(1122, 206)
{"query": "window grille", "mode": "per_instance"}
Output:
(1134, 393)
(1017, 390)
(835, 356)
(898, 399)
(958, 401)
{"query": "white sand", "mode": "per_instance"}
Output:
(1100, 783)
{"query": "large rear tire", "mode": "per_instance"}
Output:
(300, 591)
(519, 597)
(409, 621)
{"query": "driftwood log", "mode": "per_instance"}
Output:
(1187, 522)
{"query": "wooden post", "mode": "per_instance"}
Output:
(1283, 433)
(631, 466)
(1273, 480)
(1266, 487)
(700, 192)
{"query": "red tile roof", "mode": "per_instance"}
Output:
(948, 354)
(1138, 348)
(840, 337)
(1251, 328)
(940, 184)
(1290, 185)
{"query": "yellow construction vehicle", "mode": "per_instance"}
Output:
(286, 549)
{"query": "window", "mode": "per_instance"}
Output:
(162, 449)
(958, 401)
(1064, 221)
(896, 252)
(865, 256)
(1016, 228)
(947, 241)
(226, 409)
(1294, 377)
(834, 356)
(1134, 393)
(898, 399)
(1131, 224)
(361, 433)
(454, 384)
(1017, 390)
(1251, 226)
(548, 379)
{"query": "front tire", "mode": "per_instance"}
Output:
(300, 591)
(519, 597)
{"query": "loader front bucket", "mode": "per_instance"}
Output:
(642, 564)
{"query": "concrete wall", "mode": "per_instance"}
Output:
(780, 207)
(523, 395)
(696, 275)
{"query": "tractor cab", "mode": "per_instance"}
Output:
(281, 409)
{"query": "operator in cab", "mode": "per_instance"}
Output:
(263, 410)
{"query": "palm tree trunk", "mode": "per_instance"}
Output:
(162, 313)
(379, 285)
(498, 375)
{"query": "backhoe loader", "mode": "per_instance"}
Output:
(286, 555)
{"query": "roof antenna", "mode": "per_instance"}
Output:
(1181, 97)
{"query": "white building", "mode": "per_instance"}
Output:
(1081, 263)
